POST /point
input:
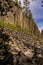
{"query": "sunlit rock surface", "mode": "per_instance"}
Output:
(11, 13)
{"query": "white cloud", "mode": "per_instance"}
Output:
(40, 25)
(37, 12)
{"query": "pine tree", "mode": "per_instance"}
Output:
(16, 1)
(26, 7)
(30, 16)
(19, 3)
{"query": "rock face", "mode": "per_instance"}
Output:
(24, 49)
(42, 35)
(11, 13)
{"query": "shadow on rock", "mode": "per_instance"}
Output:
(8, 60)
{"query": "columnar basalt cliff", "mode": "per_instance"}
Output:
(20, 42)
(41, 35)
(11, 13)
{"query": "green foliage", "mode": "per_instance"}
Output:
(16, 2)
(2, 23)
(26, 7)
(30, 16)
(10, 26)
(26, 31)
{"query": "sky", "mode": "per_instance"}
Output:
(37, 12)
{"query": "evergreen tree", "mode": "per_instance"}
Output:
(30, 16)
(26, 7)
(19, 3)
(16, 1)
